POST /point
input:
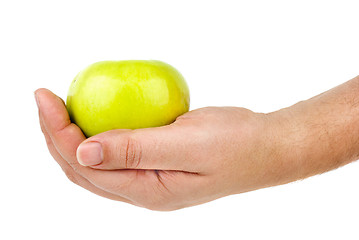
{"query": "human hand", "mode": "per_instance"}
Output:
(205, 154)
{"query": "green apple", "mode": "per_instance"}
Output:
(126, 95)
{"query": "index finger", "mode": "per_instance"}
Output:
(66, 137)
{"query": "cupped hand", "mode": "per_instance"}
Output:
(205, 154)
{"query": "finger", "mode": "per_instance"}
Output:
(66, 137)
(162, 148)
(72, 175)
(157, 189)
(58, 124)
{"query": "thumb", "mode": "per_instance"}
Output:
(161, 148)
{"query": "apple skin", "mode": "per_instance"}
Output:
(128, 94)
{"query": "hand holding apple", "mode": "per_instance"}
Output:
(206, 153)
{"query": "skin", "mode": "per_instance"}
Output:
(207, 153)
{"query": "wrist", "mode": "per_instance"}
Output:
(289, 143)
(316, 135)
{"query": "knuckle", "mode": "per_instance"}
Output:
(132, 153)
(119, 187)
(159, 197)
(47, 137)
(74, 166)
(71, 176)
(160, 205)
(48, 141)
(154, 207)
(156, 203)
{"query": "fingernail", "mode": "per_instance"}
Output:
(37, 100)
(89, 154)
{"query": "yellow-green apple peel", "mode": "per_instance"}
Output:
(126, 95)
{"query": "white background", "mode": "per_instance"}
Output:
(262, 55)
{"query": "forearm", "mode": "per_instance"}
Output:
(319, 134)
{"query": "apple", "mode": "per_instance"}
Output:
(127, 94)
